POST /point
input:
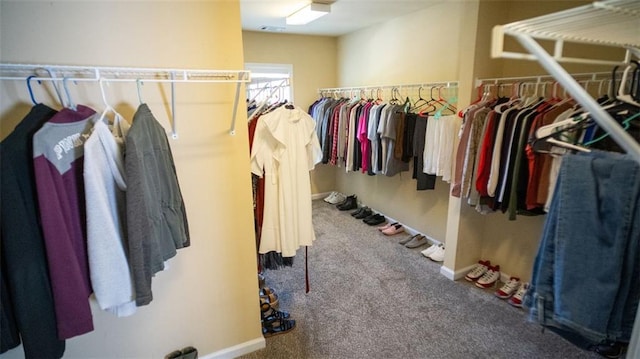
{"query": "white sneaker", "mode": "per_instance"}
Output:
(338, 198)
(478, 271)
(516, 300)
(430, 250)
(490, 278)
(509, 288)
(330, 197)
(437, 255)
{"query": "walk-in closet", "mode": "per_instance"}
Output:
(394, 179)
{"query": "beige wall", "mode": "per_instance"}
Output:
(416, 48)
(208, 296)
(314, 66)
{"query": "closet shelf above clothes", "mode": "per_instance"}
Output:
(64, 73)
(612, 23)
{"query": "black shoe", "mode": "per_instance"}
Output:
(355, 213)
(374, 220)
(364, 214)
(346, 200)
(349, 204)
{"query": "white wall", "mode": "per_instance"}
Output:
(208, 297)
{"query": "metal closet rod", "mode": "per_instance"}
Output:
(382, 87)
(591, 76)
(17, 72)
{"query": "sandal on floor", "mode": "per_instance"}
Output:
(276, 327)
(269, 314)
(271, 300)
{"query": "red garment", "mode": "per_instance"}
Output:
(258, 196)
(486, 153)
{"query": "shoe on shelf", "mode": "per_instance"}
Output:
(418, 241)
(330, 197)
(350, 203)
(437, 255)
(478, 271)
(393, 230)
(516, 300)
(364, 214)
(381, 228)
(509, 288)
(338, 198)
(406, 240)
(489, 278)
(374, 219)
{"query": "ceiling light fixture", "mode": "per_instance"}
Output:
(308, 13)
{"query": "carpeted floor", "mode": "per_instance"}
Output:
(373, 298)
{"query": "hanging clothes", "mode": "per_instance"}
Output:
(591, 236)
(58, 164)
(105, 186)
(285, 149)
(27, 312)
(156, 216)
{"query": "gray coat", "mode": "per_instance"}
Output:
(156, 216)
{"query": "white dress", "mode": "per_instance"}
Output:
(285, 148)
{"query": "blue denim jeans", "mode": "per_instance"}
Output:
(586, 275)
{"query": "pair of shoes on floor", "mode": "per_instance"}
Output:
(185, 353)
(516, 299)
(275, 322)
(478, 270)
(374, 219)
(484, 274)
(382, 228)
(362, 213)
(417, 241)
(267, 295)
(335, 198)
(435, 253)
(351, 202)
(509, 288)
(393, 229)
(489, 278)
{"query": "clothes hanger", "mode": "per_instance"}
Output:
(139, 85)
(33, 99)
(623, 95)
(70, 103)
(420, 101)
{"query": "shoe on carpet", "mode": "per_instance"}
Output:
(350, 203)
(406, 240)
(381, 228)
(338, 198)
(330, 197)
(509, 288)
(418, 241)
(477, 271)
(516, 300)
(358, 211)
(364, 214)
(437, 255)
(277, 326)
(489, 278)
(374, 219)
(393, 230)
(430, 250)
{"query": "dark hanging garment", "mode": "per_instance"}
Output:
(25, 276)
(156, 216)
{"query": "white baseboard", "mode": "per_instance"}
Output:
(448, 273)
(237, 350)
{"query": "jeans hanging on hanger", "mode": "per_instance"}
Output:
(586, 280)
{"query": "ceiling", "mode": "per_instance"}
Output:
(346, 15)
